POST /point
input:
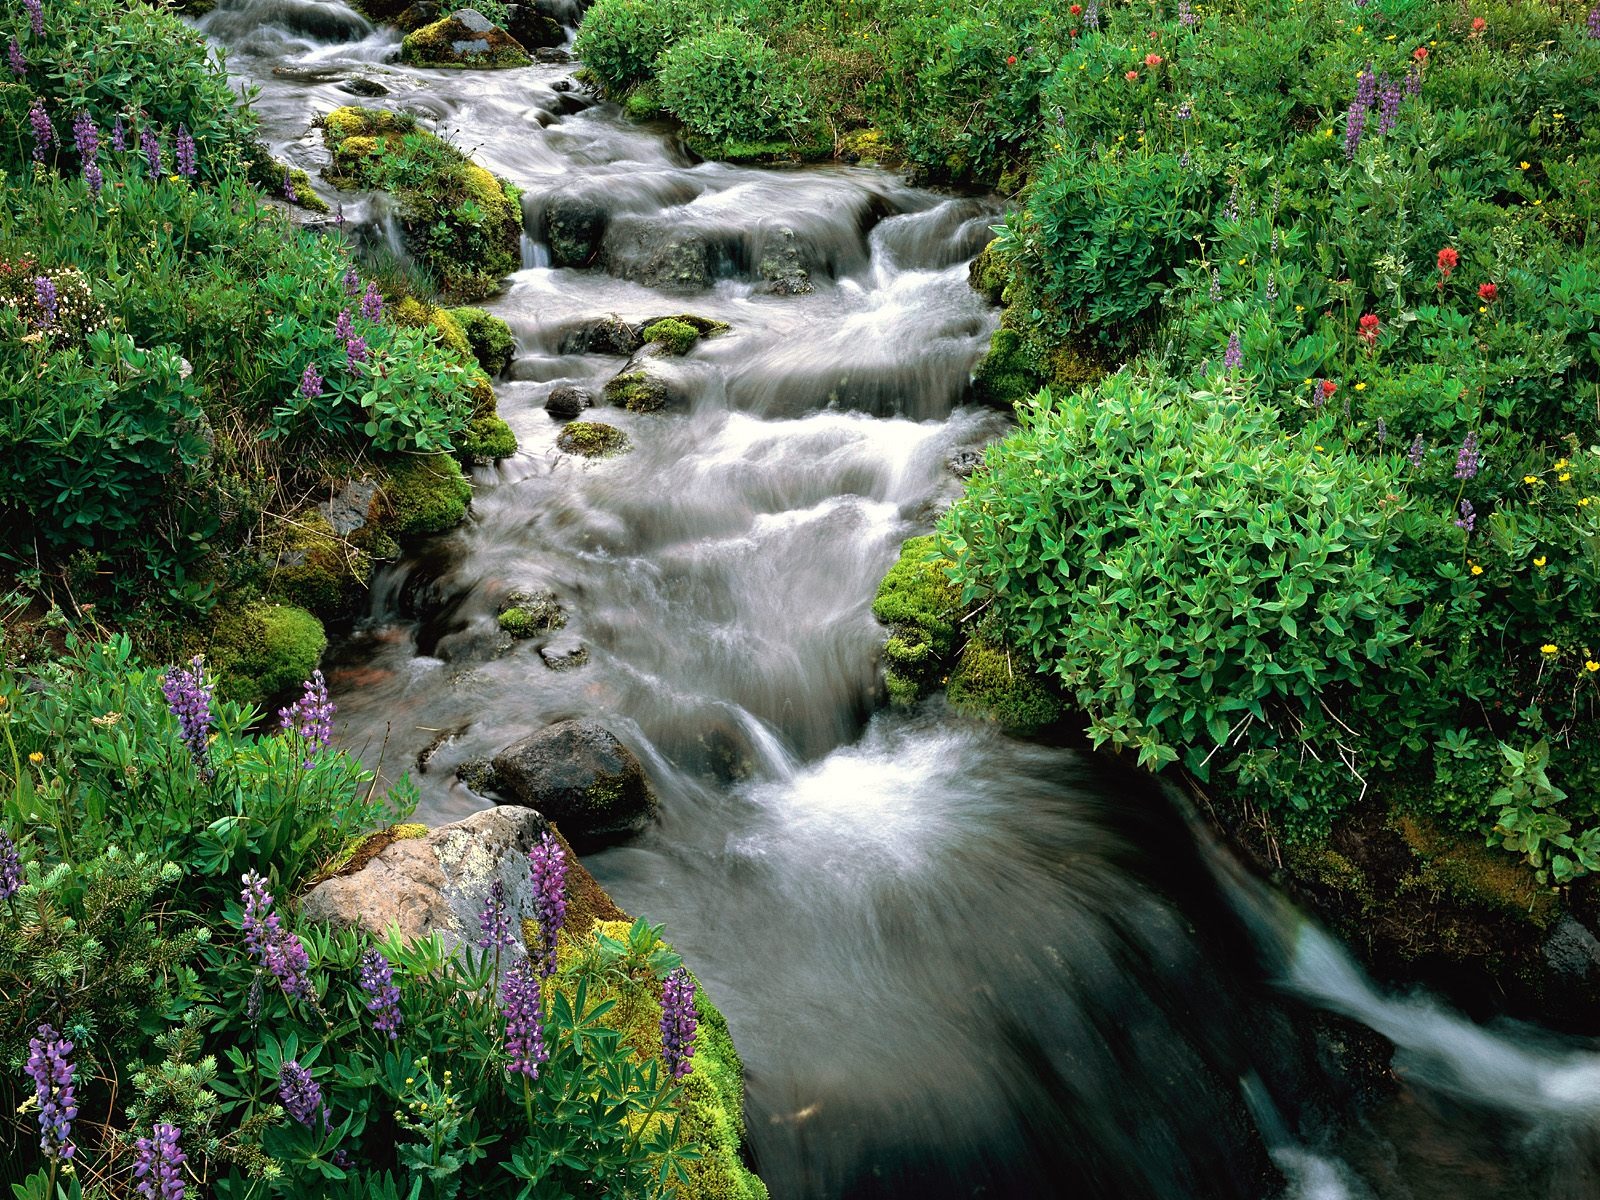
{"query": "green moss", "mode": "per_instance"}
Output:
(487, 439)
(1326, 868)
(591, 439)
(434, 46)
(426, 493)
(711, 1110)
(638, 391)
(263, 651)
(313, 567)
(643, 103)
(489, 337)
(525, 614)
(869, 146)
(920, 606)
(674, 336)
(1472, 873)
(1007, 373)
(999, 683)
(989, 274)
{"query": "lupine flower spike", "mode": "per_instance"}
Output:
(35, 16)
(494, 922)
(372, 303)
(300, 1094)
(1233, 357)
(10, 867)
(383, 997)
(310, 718)
(189, 699)
(186, 153)
(274, 948)
(1468, 459)
(520, 998)
(51, 1068)
(549, 869)
(18, 64)
(678, 1023)
(158, 1164)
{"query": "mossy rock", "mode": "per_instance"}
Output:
(488, 336)
(639, 391)
(264, 651)
(672, 335)
(461, 222)
(527, 614)
(1473, 873)
(591, 439)
(311, 566)
(989, 274)
(711, 1110)
(269, 173)
(643, 103)
(464, 39)
(486, 439)
(870, 146)
(1007, 375)
(425, 493)
(579, 775)
(1001, 684)
(920, 605)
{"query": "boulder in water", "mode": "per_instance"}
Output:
(564, 654)
(567, 401)
(591, 439)
(782, 268)
(580, 776)
(574, 227)
(604, 335)
(526, 614)
(646, 384)
(466, 38)
(417, 16)
(362, 86)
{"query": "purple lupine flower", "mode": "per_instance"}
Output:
(1231, 209)
(119, 136)
(372, 303)
(280, 952)
(94, 177)
(85, 136)
(383, 997)
(1468, 517)
(1414, 80)
(19, 65)
(1388, 107)
(1272, 287)
(1468, 460)
(1184, 112)
(338, 214)
(10, 867)
(301, 1095)
(1355, 122)
(1233, 357)
(352, 285)
(1383, 432)
(44, 134)
(310, 718)
(289, 194)
(35, 16)
(355, 351)
(158, 1164)
(311, 382)
(494, 922)
(1594, 22)
(343, 328)
(1414, 454)
(51, 1069)
(549, 869)
(1366, 88)
(1091, 15)
(678, 1023)
(520, 998)
(189, 699)
(1186, 16)
(150, 145)
(186, 153)
(1216, 287)
(45, 292)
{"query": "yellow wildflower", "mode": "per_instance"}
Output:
(1525, 164)
(1361, 387)
(1540, 561)
(1316, 448)
(1476, 569)
(1530, 479)
(36, 758)
(1591, 666)
(1562, 464)
(1549, 648)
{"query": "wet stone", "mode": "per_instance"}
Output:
(564, 654)
(472, 19)
(347, 511)
(568, 401)
(364, 87)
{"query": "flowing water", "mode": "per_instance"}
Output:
(956, 965)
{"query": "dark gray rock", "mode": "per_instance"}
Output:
(580, 776)
(347, 510)
(964, 462)
(564, 654)
(574, 227)
(604, 335)
(362, 86)
(1571, 950)
(782, 267)
(551, 54)
(533, 28)
(568, 400)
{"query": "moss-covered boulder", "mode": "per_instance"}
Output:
(528, 614)
(489, 337)
(711, 1110)
(993, 681)
(463, 223)
(591, 439)
(264, 651)
(466, 38)
(580, 776)
(486, 439)
(677, 334)
(311, 566)
(639, 389)
(869, 146)
(920, 605)
(417, 314)
(425, 494)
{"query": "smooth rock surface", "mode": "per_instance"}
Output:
(579, 775)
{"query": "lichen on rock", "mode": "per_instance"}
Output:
(466, 38)
(591, 439)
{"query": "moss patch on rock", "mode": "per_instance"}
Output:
(638, 391)
(995, 681)
(311, 566)
(920, 606)
(452, 42)
(591, 439)
(425, 493)
(460, 221)
(869, 146)
(672, 334)
(712, 1106)
(263, 651)
(524, 614)
(487, 439)
(488, 336)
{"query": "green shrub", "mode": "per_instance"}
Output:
(262, 652)
(620, 40)
(727, 86)
(425, 494)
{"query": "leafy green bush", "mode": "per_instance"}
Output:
(727, 85)
(620, 40)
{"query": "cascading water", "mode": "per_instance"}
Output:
(956, 965)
